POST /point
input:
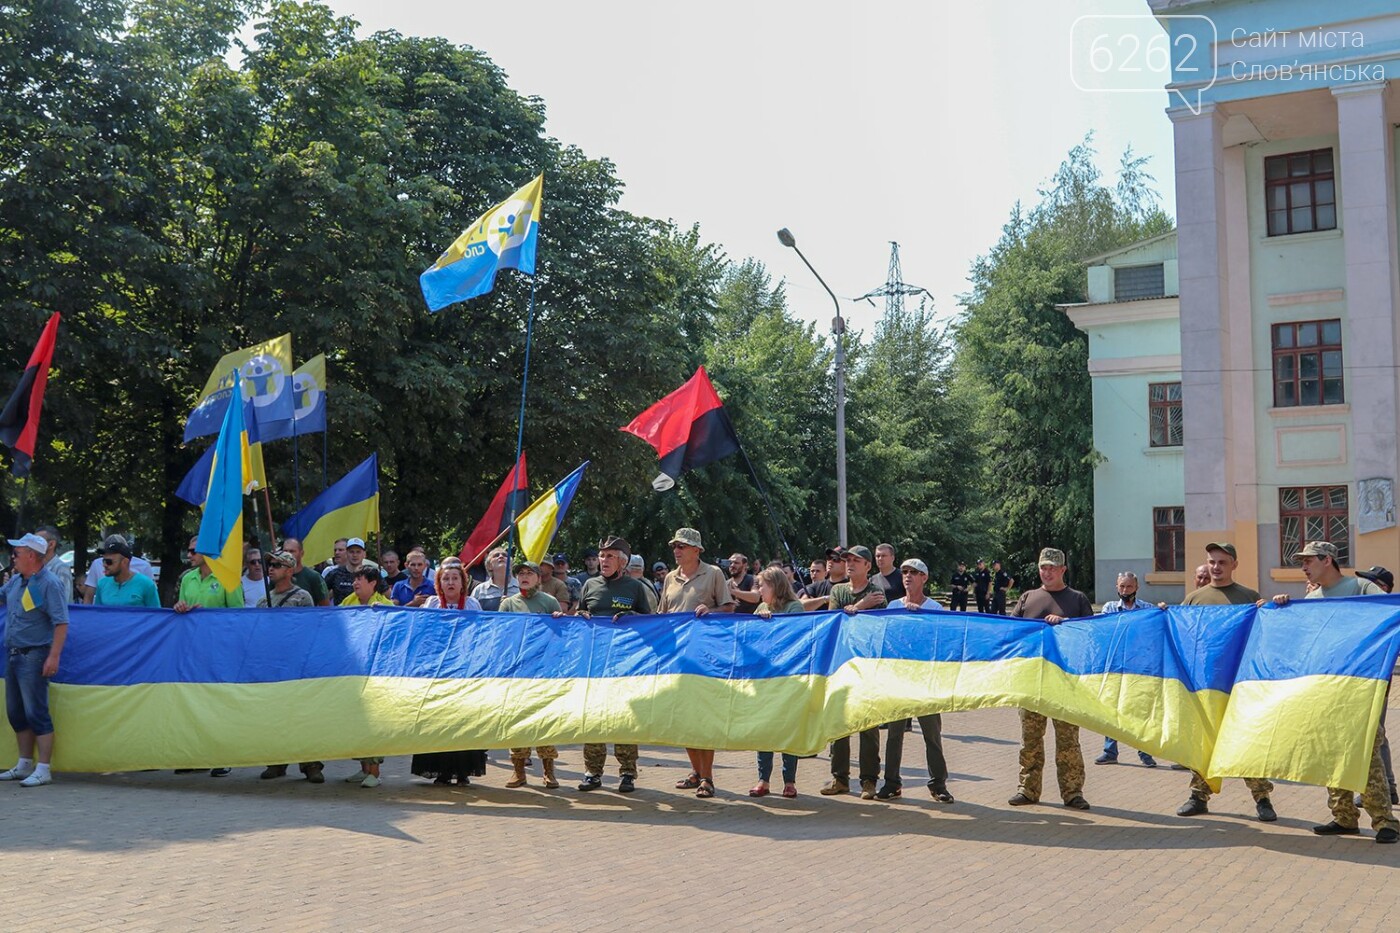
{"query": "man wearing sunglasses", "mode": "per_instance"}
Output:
(254, 577)
(200, 588)
(120, 585)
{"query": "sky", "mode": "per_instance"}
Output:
(852, 124)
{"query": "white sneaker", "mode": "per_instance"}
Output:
(37, 780)
(15, 774)
(370, 781)
(357, 778)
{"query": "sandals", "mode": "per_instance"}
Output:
(689, 782)
(706, 788)
(758, 790)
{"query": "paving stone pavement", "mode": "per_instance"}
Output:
(159, 851)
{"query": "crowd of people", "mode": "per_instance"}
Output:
(614, 583)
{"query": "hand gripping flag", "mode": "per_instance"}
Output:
(509, 499)
(348, 508)
(505, 237)
(220, 537)
(19, 419)
(265, 370)
(538, 524)
(308, 402)
(689, 428)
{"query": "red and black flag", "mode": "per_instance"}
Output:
(514, 492)
(19, 419)
(689, 428)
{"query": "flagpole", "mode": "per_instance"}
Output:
(764, 493)
(326, 454)
(296, 466)
(23, 498)
(520, 422)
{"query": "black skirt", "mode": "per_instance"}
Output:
(449, 764)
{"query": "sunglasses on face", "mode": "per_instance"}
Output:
(253, 561)
(191, 551)
(109, 561)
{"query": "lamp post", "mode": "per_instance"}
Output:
(838, 330)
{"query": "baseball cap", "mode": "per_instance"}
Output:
(590, 552)
(1317, 549)
(561, 558)
(660, 565)
(915, 564)
(34, 543)
(1225, 546)
(1378, 575)
(835, 553)
(547, 560)
(522, 563)
(281, 559)
(862, 552)
(1052, 556)
(355, 542)
(115, 544)
(688, 536)
(635, 562)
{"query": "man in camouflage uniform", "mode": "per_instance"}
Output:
(1346, 819)
(1053, 602)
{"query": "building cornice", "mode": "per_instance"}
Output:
(1084, 316)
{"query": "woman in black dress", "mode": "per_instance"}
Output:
(443, 767)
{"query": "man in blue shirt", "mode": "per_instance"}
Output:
(414, 589)
(1127, 601)
(36, 626)
(120, 585)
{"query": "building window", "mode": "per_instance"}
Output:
(1300, 192)
(1308, 363)
(1164, 413)
(1139, 282)
(1169, 539)
(1312, 513)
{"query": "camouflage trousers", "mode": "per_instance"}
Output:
(1258, 787)
(1069, 757)
(546, 752)
(595, 756)
(1375, 798)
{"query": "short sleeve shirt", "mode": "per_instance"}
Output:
(404, 591)
(707, 587)
(32, 608)
(842, 595)
(624, 594)
(208, 592)
(136, 591)
(928, 605)
(313, 583)
(296, 596)
(1040, 602)
(559, 590)
(1233, 595)
(536, 602)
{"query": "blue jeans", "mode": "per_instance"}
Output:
(765, 767)
(27, 690)
(1110, 747)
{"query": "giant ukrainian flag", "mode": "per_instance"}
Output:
(220, 537)
(1291, 692)
(539, 523)
(505, 237)
(348, 508)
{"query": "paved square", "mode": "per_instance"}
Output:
(155, 850)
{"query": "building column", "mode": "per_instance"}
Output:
(1204, 283)
(1239, 400)
(1366, 171)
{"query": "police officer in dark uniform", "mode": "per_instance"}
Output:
(960, 582)
(981, 583)
(1001, 582)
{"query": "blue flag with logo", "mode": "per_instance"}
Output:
(505, 237)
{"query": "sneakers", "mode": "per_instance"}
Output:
(1387, 836)
(888, 792)
(837, 786)
(1021, 800)
(1337, 829)
(1265, 810)
(590, 782)
(626, 784)
(1077, 803)
(1147, 760)
(220, 772)
(1106, 759)
(15, 774)
(371, 780)
(357, 778)
(867, 790)
(1194, 806)
(37, 779)
(940, 794)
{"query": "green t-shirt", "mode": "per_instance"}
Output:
(1232, 595)
(842, 595)
(140, 590)
(538, 602)
(208, 592)
(1347, 586)
(794, 606)
(313, 583)
(624, 594)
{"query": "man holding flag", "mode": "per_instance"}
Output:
(36, 626)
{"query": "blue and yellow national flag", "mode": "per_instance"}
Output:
(32, 599)
(265, 370)
(220, 537)
(348, 508)
(539, 523)
(308, 402)
(505, 237)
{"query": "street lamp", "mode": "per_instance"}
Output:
(838, 330)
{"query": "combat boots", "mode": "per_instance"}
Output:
(519, 779)
(550, 780)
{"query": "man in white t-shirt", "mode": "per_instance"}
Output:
(254, 582)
